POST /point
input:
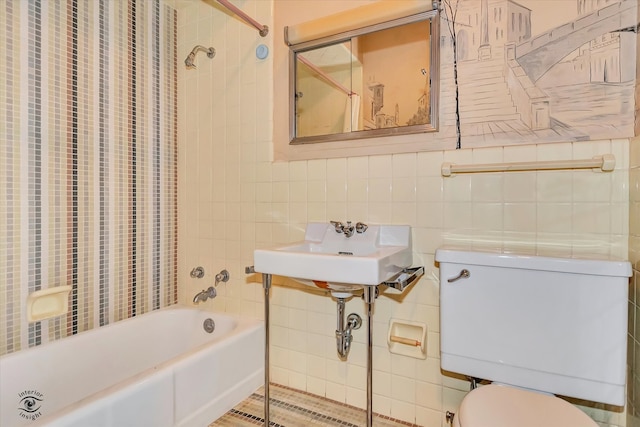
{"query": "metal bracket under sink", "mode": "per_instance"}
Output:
(405, 278)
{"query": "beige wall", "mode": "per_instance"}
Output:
(233, 198)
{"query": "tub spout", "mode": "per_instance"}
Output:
(203, 295)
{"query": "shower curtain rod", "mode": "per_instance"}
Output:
(263, 30)
(325, 76)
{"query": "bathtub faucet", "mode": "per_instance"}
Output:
(203, 295)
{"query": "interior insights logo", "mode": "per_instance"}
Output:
(29, 404)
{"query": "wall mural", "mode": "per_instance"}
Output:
(525, 70)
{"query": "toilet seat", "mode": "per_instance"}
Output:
(502, 406)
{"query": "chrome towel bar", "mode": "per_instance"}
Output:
(604, 163)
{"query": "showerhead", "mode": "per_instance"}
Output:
(189, 62)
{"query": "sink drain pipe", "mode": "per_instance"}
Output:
(343, 335)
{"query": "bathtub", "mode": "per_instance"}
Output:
(158, 369)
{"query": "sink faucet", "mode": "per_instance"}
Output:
(203, 295)
(349, 229)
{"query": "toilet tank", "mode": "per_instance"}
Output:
(557, 325)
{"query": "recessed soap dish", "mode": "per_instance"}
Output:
(47, 303)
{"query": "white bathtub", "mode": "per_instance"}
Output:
(158, 369)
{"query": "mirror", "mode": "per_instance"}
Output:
(375, 81)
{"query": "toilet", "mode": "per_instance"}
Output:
(535, 327)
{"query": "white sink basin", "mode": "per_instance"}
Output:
(328, 259)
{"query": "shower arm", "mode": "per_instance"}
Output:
(263, 30)
(189, 62)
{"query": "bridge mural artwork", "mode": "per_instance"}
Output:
(539, 71)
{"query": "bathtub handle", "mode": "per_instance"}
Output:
(223, 276)
(197, 273)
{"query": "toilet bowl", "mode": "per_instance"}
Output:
(505, 406)
(535, 327)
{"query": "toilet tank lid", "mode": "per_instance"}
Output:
(581, 264)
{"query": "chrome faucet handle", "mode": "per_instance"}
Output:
(197, 273)
(361, 227)
(337, 225)
(223, 276)
(211, 292)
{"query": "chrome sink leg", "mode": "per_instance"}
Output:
(370, 294)
(266, 284)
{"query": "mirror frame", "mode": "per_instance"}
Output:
(434, 76)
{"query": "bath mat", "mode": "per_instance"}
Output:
(294, 408)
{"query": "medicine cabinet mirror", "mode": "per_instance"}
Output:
(378, 80)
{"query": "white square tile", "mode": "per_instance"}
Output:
(429, 163)
(336, 191)
(403, 189)
(520, 187)
(380, 189)
(457, 215)
(403, 411)
(591, 218)
(554, 217)
(403, 213)
(429, 395)
(280, 171)
(487, 187)
(280, 192)
(554, 186)
(555, 151)
(316, 191)
(589, 149)
(358, 210)
(380, 166)
(429, 189)
(382, 383)
(457, 188)
(358, 167)
(316, 386)
(591, 186)
(404, 165)
(357, 190)
(520, 217)
(337, 392)
(403, 388)
(317, 169)
(356, 397)
(298, 170)
(487, 216)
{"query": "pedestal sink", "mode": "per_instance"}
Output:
(328, 259)
(344, 259)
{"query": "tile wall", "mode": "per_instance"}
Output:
(233, 198)
(87, 162)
